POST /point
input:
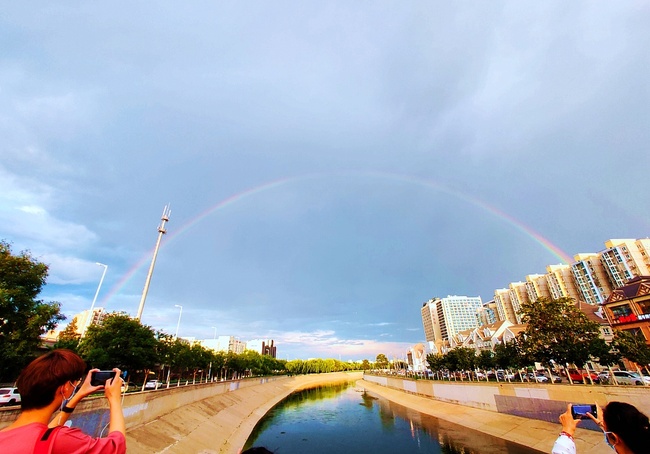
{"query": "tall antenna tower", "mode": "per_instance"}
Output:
(161, 231)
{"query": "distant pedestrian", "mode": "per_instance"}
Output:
(55, 381)
(626, 429)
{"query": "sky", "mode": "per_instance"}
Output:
(330, 166)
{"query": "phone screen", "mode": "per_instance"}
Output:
(99, 378)
(580, 411)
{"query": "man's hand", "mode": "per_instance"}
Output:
(113, 387)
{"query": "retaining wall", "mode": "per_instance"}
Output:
(529, 400)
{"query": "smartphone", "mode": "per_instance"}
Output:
(99, 377)
(579, 411)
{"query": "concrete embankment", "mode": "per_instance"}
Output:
(221, 423)
(524, 413)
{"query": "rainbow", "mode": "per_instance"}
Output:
(438, 187)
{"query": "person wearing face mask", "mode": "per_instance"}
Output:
(55, 382)
(626, 429)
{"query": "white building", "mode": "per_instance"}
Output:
(442, 318)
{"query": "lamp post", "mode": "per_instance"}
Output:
(92, 306)
(179, 319)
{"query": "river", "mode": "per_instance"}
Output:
(344, 419)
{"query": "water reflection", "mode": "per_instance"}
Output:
(342, 419)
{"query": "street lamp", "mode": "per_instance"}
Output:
(92, 306)
(179, 318)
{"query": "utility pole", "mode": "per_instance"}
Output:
(161, 231)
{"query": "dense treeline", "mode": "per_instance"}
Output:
(125, 343)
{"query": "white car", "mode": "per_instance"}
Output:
(9, 396)
(152, 384)
(624, 377)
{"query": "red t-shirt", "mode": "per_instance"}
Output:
(22, 440)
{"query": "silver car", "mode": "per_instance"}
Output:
(624, 377)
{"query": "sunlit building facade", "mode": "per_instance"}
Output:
(591, 278)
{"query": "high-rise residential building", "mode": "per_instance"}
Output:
(86, 318)
(449, 316)
(561, 283)
(537, 287)
(504, 305)
(591, 278)
(625, 259)
(431, 324)
(487, 314)
(518, 296)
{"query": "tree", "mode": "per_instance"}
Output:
(632, 345)
(381, 362)
(507, 355)
(365, 364)
(23, 317)
(557, 331)
(485, 360)
(120, 341)
(69, 337)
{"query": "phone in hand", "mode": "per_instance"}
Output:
(579, 411)
(99, 377)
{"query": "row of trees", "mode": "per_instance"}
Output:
(557, 333)
(119, 342)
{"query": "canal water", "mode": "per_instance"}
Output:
(344, 419)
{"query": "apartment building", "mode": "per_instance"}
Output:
(561, 283)
(591, 278)
(537, 287)
(88, 318)
(487, 314)
(442, 318)
(626, 259)
(505, 310)
(518, 296)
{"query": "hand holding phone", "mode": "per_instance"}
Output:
(99, 377)
(579, 411)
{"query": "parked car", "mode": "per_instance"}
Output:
(603, 377)
(580, 376)
(480, 376)
(152, 384)
(539, 378)
(9, 396)
(552, 378)
(624, 377)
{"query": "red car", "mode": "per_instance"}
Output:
(581, 376)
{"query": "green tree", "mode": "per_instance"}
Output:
(632, 345)
(557, 332)
(23, 317)
(120, 341)
(436, 362)
(365, 364)
(485, 360)
(507, 355)
(381, 362)
(69, 337)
